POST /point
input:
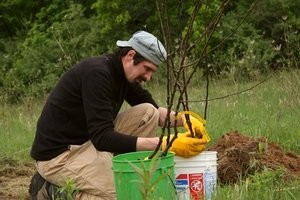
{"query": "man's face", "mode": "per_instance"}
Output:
(139, 73)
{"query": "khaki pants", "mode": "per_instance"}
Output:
(91, 169)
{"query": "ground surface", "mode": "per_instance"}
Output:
(14, 179)
(238, 156)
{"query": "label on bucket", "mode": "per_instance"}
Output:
(190, 186)
(210, 183)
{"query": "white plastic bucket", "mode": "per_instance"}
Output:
(196, 177)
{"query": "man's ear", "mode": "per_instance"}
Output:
(128, 58)
(131, 53)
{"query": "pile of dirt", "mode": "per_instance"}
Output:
(239, 156)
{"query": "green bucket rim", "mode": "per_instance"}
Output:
(138, 158)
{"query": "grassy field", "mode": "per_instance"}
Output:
(272, 110)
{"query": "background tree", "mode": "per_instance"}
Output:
(39, 40)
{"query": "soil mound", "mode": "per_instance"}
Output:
(239, 156)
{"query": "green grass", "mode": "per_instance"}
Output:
(267, 185)
(271, 109)
(17, 128)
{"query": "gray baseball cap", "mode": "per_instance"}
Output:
(147, 45)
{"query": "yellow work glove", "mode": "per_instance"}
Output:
(184, 145)
(198, 125)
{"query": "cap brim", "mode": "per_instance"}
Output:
(123, 43)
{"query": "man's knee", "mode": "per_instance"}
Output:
(151, 113)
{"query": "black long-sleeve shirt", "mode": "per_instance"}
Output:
(83, 106)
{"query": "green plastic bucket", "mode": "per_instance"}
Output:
(137, 178)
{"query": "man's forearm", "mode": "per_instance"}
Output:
(163, 116)
(144, 144)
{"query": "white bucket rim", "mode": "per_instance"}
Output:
(204, 156)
